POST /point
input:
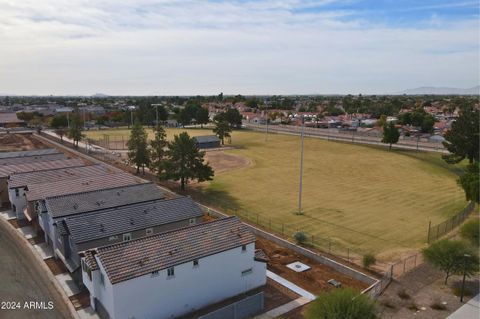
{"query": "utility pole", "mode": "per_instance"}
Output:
(266, 120)
(68, 120)
(84, 123)
(465, 256)
(156, 114)
(131, 116)
(301, 169)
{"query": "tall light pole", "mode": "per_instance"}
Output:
(156, 114)
(131, 116)
(301, 169)
(266, 120)
(68, 120)
(465, 257)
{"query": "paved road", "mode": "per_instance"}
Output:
(349, 138)
(22, 280)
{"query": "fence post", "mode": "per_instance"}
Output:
(283, 226)
(404, 264)
(415, 261)
(348, 254)
(270, 223)
(257, 219)
(329, 246)
(428, 232)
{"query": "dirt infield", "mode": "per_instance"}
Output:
(22, 281)
(222, 162)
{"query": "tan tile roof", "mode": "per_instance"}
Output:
(58, 174)
(138, 257)
(38, 166)
(44, 190)
(32, 159)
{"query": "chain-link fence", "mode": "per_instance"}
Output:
(437, 231)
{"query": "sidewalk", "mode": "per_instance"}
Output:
(471, 310)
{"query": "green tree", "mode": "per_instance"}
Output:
(232, 116)
(75, 132)
(61, 132)
(137, 147)
(222, 130)
(201, 116)
(471, 231)
(342, 303)
(59, 121)
(449, 257)
(158, 150)
(470, 182)
(185, 161)
(390, 134)
(462, 140)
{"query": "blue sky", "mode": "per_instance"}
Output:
(173, 47)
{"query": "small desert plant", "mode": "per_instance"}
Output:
(471, 231)
(457, 291)
(300, 237)
(438, 306)
(413, 307)
(368, 260)
(403, 294)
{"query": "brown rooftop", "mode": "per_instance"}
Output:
(139, 257)
(7, 170)
(64, 187)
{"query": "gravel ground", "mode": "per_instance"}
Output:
(22, 281)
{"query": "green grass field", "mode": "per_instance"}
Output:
(365, 198)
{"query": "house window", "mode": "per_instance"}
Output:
(17, 192)
(244, 248)
(102, 279)
(112, 238)
(149, 231)
(192, 221)
(247, 272)
(155, 273)
(195, 263)
(170, 272)
(127, 237)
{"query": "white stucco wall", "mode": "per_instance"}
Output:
(19, 201)
(217, 277)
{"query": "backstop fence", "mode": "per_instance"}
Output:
(437, 231)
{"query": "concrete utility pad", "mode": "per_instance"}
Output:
(68, 285)
(27, 232)
(298, 266)
(44, 250)
(7, 214)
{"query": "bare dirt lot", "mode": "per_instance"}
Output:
(22, 281)
(19, 142)
(414, 294)
(314, 280)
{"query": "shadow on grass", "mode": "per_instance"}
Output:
(219, 199)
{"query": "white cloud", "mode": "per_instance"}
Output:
(200, 47)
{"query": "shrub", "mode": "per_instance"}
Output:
(342, 303)
(300, 237)
(403, 294)
(471, 231)
(438, 306)
(413, 307)
(368, 260)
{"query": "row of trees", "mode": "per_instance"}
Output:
(179, 160)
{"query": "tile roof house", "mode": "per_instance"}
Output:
(31, 159)
(18, 183)
(173, 273)
(71, 204)
(109, 226)
(7, 170)
(44, 151)
(10, 120)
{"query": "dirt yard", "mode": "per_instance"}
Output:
(417, 293)
(19, 142)
(221, 161)
(314, 280)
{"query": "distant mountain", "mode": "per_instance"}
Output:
(430, 90)
(99, 95)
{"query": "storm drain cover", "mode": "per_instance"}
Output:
(298, 266)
